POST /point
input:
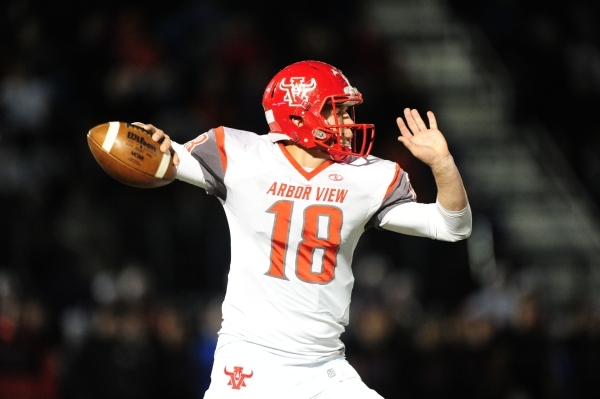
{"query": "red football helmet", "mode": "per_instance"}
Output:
(302, 90)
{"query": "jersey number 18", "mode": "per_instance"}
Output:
(310, 241)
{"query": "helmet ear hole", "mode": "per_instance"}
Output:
(297, 120)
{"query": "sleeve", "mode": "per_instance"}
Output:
(203, 162)
(429, 220)
(189, 169)
(399, 192)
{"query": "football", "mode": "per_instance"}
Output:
(128, 154)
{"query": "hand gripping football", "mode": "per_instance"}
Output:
(128, 154)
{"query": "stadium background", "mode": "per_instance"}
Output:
(112, 292)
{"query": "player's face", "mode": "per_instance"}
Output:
(341, 117)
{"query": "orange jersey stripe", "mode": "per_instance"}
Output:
(220, 136)
(394, 182)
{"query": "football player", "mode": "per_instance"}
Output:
(297, 201)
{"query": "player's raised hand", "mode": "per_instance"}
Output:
(426, 143)
(160, 137)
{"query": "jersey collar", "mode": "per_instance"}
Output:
(307, 175)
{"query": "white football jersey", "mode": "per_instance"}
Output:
(293, 233)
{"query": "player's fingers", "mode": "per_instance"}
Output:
(418, 120)
(432, 120)
(164, 140)
(175, 158)
(157, 134)
(410, 120)
(152, 129)
(144, 126)
(402, 126)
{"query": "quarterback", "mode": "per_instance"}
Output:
(297, 201)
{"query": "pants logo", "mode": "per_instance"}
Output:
(237, 377)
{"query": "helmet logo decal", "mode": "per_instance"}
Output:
(297, 90)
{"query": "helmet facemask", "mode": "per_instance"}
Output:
(338, 139)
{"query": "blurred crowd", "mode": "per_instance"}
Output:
(500, 342)
(112, 292)
(553, 53)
